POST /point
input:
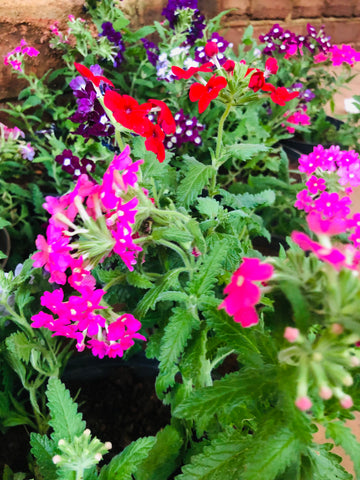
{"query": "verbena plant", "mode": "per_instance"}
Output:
(172, 171)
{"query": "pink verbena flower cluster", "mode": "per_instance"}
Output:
(299, 117)
(87, 225)
(16, 56)
(339, 55)
(330, 174)
(243, 293)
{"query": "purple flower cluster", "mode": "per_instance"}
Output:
(305, 94)
(152, 51)
(222, 44)
(187, 130)
(115, 38)
(284, 41)
(90, 114)
(171, 13)
(71, 164)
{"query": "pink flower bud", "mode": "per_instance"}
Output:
(325, 392)
(346, 401)
(291, 334)
(56, 459)
(211, 49)
(229, 66)
(303, 403)
(337, 329)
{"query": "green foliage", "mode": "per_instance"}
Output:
(66, 421)
(344, 437)
(129, 461)
(164, 456)
(196, 178)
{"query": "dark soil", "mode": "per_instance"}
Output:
(118, 403)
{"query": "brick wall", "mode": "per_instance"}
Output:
(30, 19)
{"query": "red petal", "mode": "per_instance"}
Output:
(196, 91)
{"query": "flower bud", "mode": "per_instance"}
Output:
(211, 49)
(56, 459)
(346, 401)
(354, 361)
(87, 432)
(337, 329)
(347, 380)
(98, 456)
(325, 392)
(303, 403)
(291, 334)
(61, 442)
(108, 445)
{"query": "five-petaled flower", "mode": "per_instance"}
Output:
(205, 93)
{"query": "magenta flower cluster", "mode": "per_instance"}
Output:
(15, 57)
(96, 217)
(330, 175)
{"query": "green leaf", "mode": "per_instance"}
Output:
(344, 437)
(43, 449)
(150, 298)
(220, 460)
(176, 335)
(208, 271)
(320, 464)
(65, 419)
(173, 296)
(299, 304)
(120, 23)
(4, 223)
(248, 200)
(135, 279)
(124, 465)
(162, 459)
(232, 391)
(245, 151)
(279, 447)
(32, 101)
(195, 180)
(171, 233)
(236, 337)
(208, 207)
(37, 198)
(20, 346)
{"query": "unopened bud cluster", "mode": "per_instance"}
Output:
(322, 363)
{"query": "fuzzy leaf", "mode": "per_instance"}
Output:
(248, 200)
(220, 460)
(208, 207)
(43, 450)
(208, 271)
(150, 298)
(124, 465)
(173, 296)
(65, 419)
(37, 198)
(321, 464)
(245, 151)
(233, 390)
(162, 458)
(279, 447)
(135, 279)
(195, 180)
(175, 338)
(20, 346)
(235, 337)
(344, 437)
(172, 234)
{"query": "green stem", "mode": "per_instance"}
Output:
(220, 133)
(119, 139)
(178, 250)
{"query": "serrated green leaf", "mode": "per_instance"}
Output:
(232, 391)
(135, 279)
(279, 447)
(222, 459)
(43, 449)
(196, 178)
(344, 437)
(176, 333)
(32, 101)
(248, 200)
(65, 419)
(236, 337)
(20, 346)
(172, 234)
(124, 465)
(245, 151)
(150, 298)
(299, 304)
(208, 271)
(208, 207)
(173, 297)
(162, 459)
(320, 464)
(4, 223)
(37, 198)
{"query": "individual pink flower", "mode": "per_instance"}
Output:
(243, 294)
(303, 403)
(315, 184)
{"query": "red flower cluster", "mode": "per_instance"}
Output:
(134, 116)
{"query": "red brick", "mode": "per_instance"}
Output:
(270, 9)
(341, 31)
(340, 8)
(308, 8)
(240, 7)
